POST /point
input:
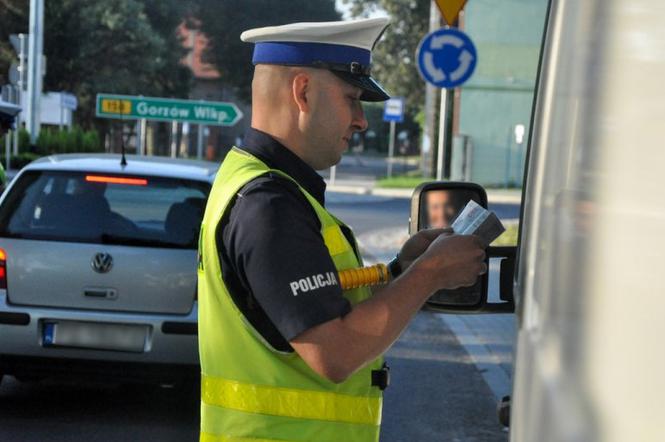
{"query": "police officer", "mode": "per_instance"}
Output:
(286, 354)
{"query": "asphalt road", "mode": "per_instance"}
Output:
(366, 213)
(437, 393)
(355, 166)
(71, 411)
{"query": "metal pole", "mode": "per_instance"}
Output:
(35, 45)
(427, 144)
(137, 131)
(520, 165)
(391, 149)
(468, 152)
(442, 130)
(174, 138)
(187, 140)
(142, 123)
(15, 132)
(509, 146)
(333, 174)
(199, 142)
(23, 55)
(8, 149)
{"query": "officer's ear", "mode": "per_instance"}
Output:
(302, 85)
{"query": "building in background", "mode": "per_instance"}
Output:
(495, 105)
(208, 85)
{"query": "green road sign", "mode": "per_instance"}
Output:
(126, 107)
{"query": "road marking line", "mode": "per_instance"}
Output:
(492, 373)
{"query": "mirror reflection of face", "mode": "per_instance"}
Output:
(441, 206)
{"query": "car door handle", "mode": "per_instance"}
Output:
(106, 293)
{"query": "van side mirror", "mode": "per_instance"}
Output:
(436, 205)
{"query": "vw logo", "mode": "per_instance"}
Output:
(102, 263)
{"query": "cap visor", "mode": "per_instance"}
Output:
(372, 91)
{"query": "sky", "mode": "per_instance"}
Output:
(345, 8)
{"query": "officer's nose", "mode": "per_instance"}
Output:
(359, 123)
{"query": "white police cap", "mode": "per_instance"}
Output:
(343, 47)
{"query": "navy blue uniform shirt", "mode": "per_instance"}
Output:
(269, 239)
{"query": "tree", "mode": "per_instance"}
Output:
(115, 46)
(13, 19)
(224, 21)
(394, 61)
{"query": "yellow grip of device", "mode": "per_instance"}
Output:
(363, 277)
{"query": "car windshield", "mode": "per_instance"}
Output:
(105, 209)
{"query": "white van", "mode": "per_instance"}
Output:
(588, 291)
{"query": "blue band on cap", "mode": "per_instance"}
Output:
(304, 54)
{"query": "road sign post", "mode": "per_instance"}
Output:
(17, 76)
(391, 149)
(142, 132)
(199, 142)
(427, 138)
(446, 58)
(174, 139)
(443, 121)
(450, 9)
(199, 112)
(393, 112)
(129, 107)
(11, 94)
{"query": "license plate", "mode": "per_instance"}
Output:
(95, 335)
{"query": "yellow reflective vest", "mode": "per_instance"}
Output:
(251, 392)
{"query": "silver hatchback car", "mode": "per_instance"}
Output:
(98, 267)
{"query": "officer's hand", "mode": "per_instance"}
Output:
(417, 244)
(453, 261)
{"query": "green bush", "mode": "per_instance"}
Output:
(75, 140)
(52, 141)
(21, 160)
(23, 141)
(90, 142)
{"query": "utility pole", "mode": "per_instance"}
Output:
(35, 70)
